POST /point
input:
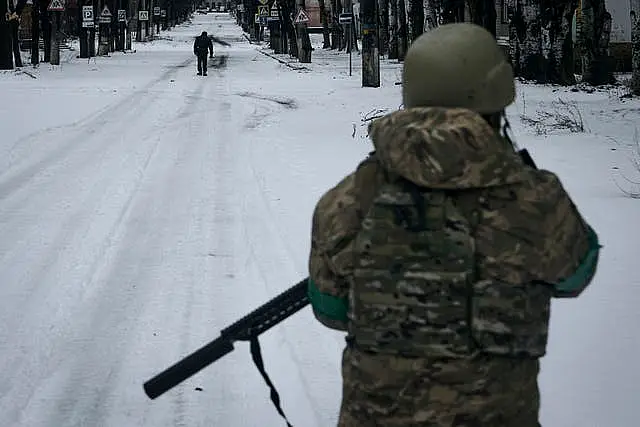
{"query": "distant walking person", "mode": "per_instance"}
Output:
(200, 47)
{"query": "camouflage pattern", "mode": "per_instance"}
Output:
(434, 311)
(389, 391)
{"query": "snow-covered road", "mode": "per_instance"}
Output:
(130, 237)
(144, 208)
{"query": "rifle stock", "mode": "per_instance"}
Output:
(247, 328)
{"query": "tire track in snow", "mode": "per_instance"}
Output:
(11, 180)
(105, 392)
(272, 229)
(100, 261)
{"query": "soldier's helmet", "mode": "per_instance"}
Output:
(457, 65)
(204, 34)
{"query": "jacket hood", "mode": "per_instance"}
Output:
(445, 148)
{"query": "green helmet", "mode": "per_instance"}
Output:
(457, 65)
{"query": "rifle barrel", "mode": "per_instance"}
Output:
(187, 367)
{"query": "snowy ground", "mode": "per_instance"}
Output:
(144, 208)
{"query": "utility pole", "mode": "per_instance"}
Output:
(370, 56)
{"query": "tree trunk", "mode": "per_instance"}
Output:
(415, 20)
(635, 46)
(288, 9)
(483, 13)
(525, 39)
(84, 34)
(15, 11)
(393, 29)
(402, 30)
(55, 39)
(14, 23)
(383, 25)
(45, 24)
(594, 43)
(452, 11)
(337, 35)
(540, 40)
(302, 38)
(431, 14)
(283, 24)
(326, 40)
(370, 56)
(557, 43)
(6, 59)
(35, 34)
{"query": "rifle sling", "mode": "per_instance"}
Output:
(256, 355)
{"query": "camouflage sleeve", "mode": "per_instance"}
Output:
(336, 222)
(571, 247)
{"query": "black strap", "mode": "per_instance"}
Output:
(256, 355)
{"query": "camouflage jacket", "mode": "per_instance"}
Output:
(530, 241)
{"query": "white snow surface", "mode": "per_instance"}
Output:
(144, 208)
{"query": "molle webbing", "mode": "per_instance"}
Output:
(414, 262)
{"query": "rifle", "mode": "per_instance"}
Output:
(246, 329)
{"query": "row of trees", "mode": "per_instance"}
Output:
(46, 26)
(540, 41)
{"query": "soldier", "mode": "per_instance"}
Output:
(201, 46)
(440, 253)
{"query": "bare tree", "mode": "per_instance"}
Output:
(383, 25)
(593, 42)
(557, 48)
(415, 19)
(402, 30)
(302, 38)
(635, 46)
(337, 34)
(432, 13)
(452, 11)
(326, 40)
(483, 13)
(6, 60)
(393, 29)
(540, 40)
(14, 24)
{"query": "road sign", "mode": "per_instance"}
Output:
(274, 12)
(256, 19)
(105, 16)
(106, 12)
(87, 24)
(345, 18)
(87, 13)
(143, 15)
(156, 11)
(122, 15)
(163, 13)
(56, 6)
(263, 1)
(263, 10)
(301, 17)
